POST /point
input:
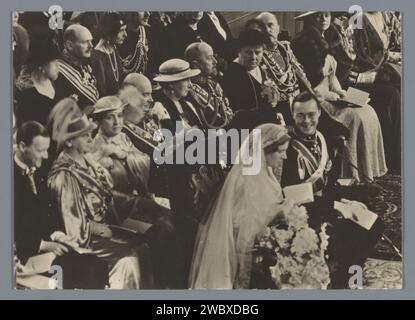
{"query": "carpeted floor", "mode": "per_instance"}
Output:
(384, 269)
(388, 205)
(382, 274)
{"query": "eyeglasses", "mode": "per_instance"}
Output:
(302, 116)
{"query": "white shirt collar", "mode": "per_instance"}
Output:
(23, 166)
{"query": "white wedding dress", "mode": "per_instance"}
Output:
(245, 206)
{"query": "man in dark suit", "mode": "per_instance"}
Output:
(215, 30)
(177, 36)
(34, 227)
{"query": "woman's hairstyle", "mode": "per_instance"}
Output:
(251, 38)
(41, 52)
(109, 25)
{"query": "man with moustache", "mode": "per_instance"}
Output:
(76, 77)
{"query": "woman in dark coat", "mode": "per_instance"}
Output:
(105, 61)
(251, 92)
(35, 92)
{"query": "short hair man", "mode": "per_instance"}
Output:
(308, 161)
(140, 126)
(35, 231)
(205, 86)
(75, 72)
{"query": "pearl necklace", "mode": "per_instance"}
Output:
(114, 65)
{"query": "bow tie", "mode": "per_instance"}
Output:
(28, 171)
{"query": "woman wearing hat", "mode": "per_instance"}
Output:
(364, 150)
(35, 89)
(170, 104)
(222, 255)
(105, 61)
(249, 88)
(82, 194)
(129, 169)
(113, 146)
(363, 63)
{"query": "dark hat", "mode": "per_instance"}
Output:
(42, 51)
(251, 38)
(110, 24)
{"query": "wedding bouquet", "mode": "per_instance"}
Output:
(299, 252)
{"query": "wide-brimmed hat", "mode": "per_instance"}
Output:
(305, 14)
(108, 104)
(175, 70)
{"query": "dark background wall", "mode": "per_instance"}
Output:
(286, 20)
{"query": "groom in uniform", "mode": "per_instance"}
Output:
(308, 160)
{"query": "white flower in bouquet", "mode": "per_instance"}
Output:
(316, 273)
(299, 252)
(324, 239)
(267, 232)
(305, 241)
(282, 237)
(297, 219)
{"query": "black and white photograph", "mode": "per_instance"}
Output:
(207, 150)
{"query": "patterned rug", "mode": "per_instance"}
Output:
(381, 274)
(389, 207)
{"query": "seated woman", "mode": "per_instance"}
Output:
(129, 169)
(35, 92)
(35, 231)
(364, 62)
(105, 61)
(289, 77)
(82, 194)
(364, 150)
(170, 105)
(134, 50)
(245, 206)
(251, 91)
(190, 186)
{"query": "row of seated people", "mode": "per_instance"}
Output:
(271, 82)
(83, 206)
(199, 102)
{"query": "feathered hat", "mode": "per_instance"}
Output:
(66, 121)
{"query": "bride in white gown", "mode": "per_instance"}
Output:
(245, 206)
